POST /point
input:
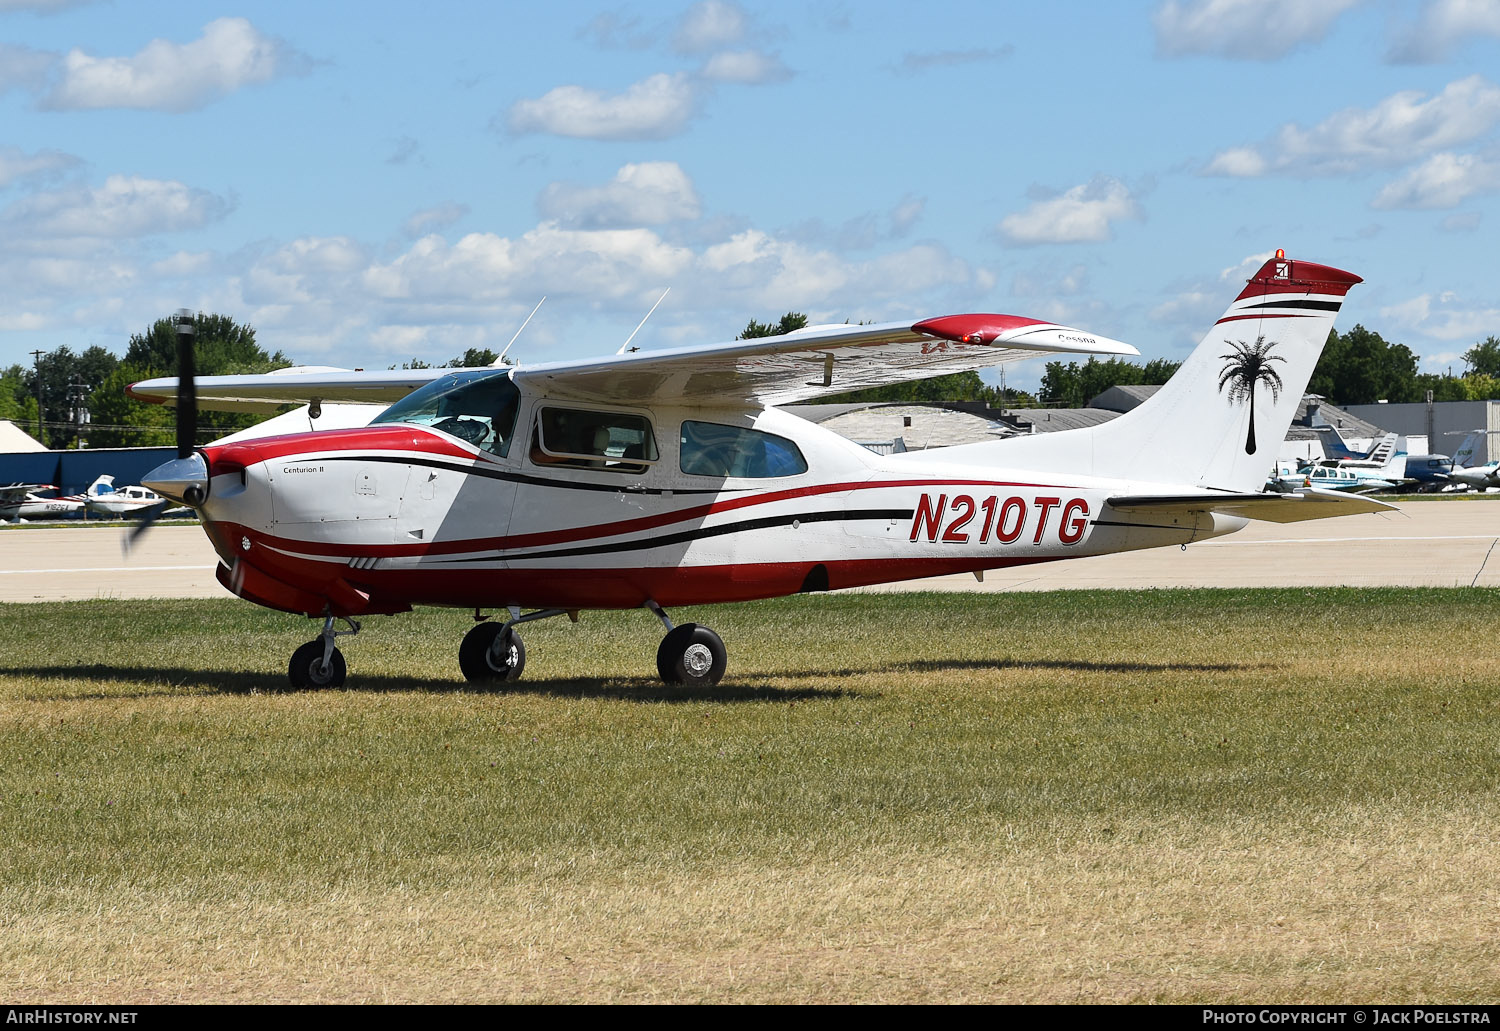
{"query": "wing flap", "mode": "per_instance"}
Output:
(1274, 508)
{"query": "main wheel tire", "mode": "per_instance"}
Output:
(692, 656)
(486, 660)
(307, 670)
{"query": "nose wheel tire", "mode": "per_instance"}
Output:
(491, 654)
(692, 656)
(308, 670)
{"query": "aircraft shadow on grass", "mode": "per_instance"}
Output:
(155, 682)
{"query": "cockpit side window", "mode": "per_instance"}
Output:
(476, 406)
(582, 438)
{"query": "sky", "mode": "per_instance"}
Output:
(368, 183)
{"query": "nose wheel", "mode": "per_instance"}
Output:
(318, 663)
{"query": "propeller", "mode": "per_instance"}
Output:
(185, 479)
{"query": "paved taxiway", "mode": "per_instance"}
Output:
(1426, 544)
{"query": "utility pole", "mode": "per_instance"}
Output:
(36, 357)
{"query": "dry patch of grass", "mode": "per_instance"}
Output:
(1085, 796)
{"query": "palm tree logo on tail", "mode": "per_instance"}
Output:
(1244, 368)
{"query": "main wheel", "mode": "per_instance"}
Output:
(307, 669)
(487, 658)
(692, 656)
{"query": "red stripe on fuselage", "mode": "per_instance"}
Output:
(614, 529)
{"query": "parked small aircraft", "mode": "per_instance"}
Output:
(1475, 477)
(1428, 472)
(24, 501)
(670, 478)
(1381, 468)
(104, 498)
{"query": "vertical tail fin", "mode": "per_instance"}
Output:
(1219, 421)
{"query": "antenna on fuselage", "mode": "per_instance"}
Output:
(501, 359)
(631, 337)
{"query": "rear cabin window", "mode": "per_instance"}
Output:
(578, 438)
(711, 449)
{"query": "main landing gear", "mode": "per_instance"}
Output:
(318, 663)
(492, 653)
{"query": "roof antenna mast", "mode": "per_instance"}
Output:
(501, 359)
(631, 337)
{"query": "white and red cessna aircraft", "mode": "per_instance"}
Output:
(670, 478)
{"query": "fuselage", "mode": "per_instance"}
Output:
(673, 506)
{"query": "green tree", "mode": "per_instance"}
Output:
(221, 347)
(61, 374)
(1483, 358)
(792, 320)
(1072, 385)
(119, 420)
(1360, 367)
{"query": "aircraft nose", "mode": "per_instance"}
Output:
(184, 480)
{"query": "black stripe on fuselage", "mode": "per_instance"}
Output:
(701, 533)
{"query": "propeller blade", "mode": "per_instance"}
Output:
(149, 517)
(187, 389)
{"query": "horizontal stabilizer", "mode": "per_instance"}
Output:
(1273, 508)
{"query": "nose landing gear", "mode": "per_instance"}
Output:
(318, 663)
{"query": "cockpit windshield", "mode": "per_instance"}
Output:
(478, 406)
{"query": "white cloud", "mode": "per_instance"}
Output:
(484, 267)
(1399, 129)
(1239, 162)
(431, 220)
(1442, 25)
(1046, 284)
(1443, 317)
(650, 193)
(750, 67)
(1463, 222)
(125, 206)
(24, 68)
(907, 212)
(1257, 30)
(913, 63)
(710, 25)
(655, 108)
(168, 76)
(18, 166)
(1247, 267)
(1083, 214)
(1442, 181)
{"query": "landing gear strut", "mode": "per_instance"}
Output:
(318, 663)
(690, 655)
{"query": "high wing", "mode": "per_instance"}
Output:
(1274, 508)
(764, 371)
(814, 362)
(15, 493)
(296, 386)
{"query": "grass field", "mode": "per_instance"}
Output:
(1275, 795)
